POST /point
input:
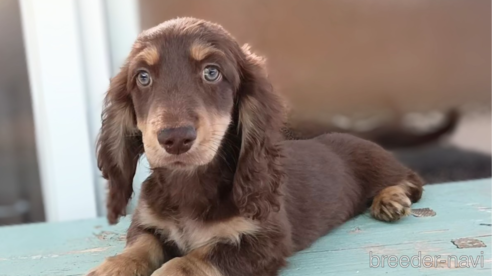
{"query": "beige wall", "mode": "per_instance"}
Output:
(365, 55)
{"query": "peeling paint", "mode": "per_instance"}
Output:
(444, 264)
(381, 250)
(423, 212)
(92, 250)
(108, 235)
(468, 243)
(50, 256)
(356, 230)
(485, 209)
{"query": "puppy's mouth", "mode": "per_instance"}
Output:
(181, 161)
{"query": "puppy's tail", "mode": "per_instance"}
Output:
(402, 139)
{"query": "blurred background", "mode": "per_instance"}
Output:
(412, 76)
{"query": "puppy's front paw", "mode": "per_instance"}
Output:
(121, 266)
(187, 266)
(391, 204)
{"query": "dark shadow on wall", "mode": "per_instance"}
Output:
(446, 163)
(20, 186)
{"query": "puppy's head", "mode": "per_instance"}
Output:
(176, 98)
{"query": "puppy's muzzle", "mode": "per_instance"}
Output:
(177, 140)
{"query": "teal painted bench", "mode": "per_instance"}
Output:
(456, 226)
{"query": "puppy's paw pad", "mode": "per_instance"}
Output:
(391, 204)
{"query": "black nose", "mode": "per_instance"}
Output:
(177, 140)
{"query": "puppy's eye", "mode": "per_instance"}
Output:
(211, 73)
(144, 78)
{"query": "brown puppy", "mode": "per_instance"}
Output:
(226, 196)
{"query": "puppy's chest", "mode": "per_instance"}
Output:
(190, 234)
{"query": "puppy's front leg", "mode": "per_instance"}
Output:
(255, 255)
(142, 255)
(192, 264)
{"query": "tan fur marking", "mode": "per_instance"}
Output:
(409, 187)
(392, 203)
(190, 235)
(141, 257)
(188, 265)
(150, 55)
(255, 59)
(122, 127)
(215, 128)
(200, 50)
(249, 107)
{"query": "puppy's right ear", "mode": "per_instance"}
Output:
(119, 145)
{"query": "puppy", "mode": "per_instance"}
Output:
(226, 195)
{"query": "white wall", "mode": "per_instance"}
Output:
(124, 26)
(73, 47)
(58, 88)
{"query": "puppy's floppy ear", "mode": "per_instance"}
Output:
(261, 113)
(119, 145)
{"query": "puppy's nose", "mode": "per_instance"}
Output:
(177, 140)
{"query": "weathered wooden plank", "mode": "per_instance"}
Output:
(462, 210)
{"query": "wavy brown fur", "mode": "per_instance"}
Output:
(242, 199)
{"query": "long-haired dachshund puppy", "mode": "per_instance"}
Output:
(226, 196)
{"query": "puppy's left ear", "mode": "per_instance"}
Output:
(261, 115)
